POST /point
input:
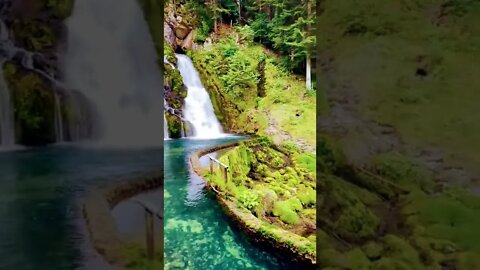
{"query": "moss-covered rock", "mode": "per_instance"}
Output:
(59, 8)
(34, 35)
(34, 103)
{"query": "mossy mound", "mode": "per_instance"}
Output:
(391, 216)
(265, 180)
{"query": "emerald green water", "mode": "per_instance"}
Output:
(198, 235)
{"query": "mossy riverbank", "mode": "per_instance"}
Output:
(279, 217)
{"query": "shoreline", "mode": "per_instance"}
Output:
(98, 218)
(248, 223)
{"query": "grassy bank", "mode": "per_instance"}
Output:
(250, 91)
(411, 65)
(275, 185)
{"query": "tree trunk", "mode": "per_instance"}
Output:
(309, 73)
(240, 12)
(309, 60)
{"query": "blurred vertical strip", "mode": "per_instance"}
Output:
(154, 14)
(318, 11)
(160, 43)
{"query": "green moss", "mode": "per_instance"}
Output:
(402, 252)
(356, 221)
(307, 161)
(307, 196)
(248, 199)
(399, 169)
(331, 158)
(286, 210)
(373, 250)
(452, 216)
(34, 34)
(135, 257)
(310, 213)
(33, 100)
(60, 8)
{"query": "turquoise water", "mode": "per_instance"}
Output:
(198, 234)
(41, 191)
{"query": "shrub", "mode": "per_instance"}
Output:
(307, 196)
(287, 215)
(356, 221)
(248, 199)
(286, 210)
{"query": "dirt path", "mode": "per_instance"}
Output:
(280, 136)
(363, 138)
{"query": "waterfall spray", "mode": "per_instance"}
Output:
(198, 109)
(111, 59)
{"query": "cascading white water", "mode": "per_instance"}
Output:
(58, 120)
(111, 59)
(8, 52)
(198, 109)
(166, 136)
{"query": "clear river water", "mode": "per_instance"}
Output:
(198, 235)
(41, 191)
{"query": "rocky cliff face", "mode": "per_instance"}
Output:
(34, 33)
(179, 28)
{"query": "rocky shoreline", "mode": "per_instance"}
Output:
(249, 224)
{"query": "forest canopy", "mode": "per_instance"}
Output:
(285, 26)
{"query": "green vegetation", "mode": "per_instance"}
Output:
(365, 223)
(231, 73)
(34, 106)
(34, 34)
(136, 259)
(36, 27)
(266, 181)
(411, 65)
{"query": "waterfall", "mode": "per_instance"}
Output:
(58, 120)
(166, 136)
(111, 60)
(198, 109)
(7, 131)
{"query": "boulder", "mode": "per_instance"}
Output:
(168, 34)
(188, 43)
(182, 31)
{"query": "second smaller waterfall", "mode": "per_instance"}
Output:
(198, 109)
